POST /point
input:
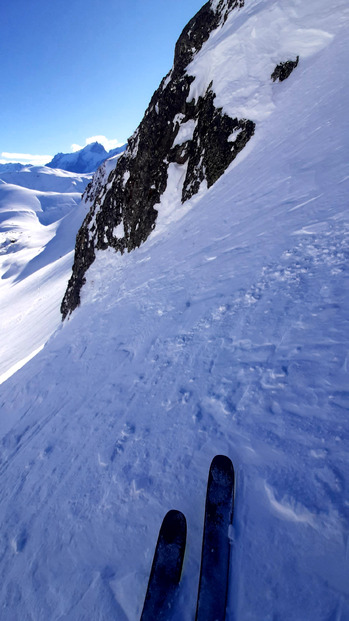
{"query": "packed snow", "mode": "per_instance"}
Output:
(226, 332)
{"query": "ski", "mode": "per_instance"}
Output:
(213, 584)
(166, 568)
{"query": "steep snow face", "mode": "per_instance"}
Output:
(219, 92)
(39, 218)
(128, 203)
(86, 160)
(238, 60)
(227, 332)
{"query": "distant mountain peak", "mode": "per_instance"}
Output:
(85, 160)
(95, 147)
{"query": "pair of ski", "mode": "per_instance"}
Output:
(169, 553)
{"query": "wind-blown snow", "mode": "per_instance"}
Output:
(226, 333)
(240, 58)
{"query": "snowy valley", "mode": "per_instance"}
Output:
(224, 330)
(40, 214)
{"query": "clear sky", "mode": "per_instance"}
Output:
(74, 69)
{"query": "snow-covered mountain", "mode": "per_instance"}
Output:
(10, 167)
(85, 160)
(226, 330)
(184, 139)
(40, 213)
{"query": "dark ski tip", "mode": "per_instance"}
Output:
(215, 556)
(166, 568)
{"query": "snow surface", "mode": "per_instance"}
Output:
(185, 132)
(226, 333)
(44, 179)
(39, 219)
(239, 58)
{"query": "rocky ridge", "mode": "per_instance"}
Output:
(173, 130)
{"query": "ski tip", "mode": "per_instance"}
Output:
(173, 524)
(221, 459)
(167, 566)
(222, 462)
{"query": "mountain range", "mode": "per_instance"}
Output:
(206, 312)
(85, 160)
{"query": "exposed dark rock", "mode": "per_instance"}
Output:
(97, 183)
(283, 70)
(216, 142)
(198, 30)
(123, 213)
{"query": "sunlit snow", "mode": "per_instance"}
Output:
(226, 332)
(39, 219)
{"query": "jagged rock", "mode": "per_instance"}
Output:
(283, 70)
(216, 142)
(123, 213)
(99, 179)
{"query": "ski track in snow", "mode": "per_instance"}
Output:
(226, 333)
(257, 404)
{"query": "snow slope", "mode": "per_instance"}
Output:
(227, 332)
(43, 178)
(39, 218)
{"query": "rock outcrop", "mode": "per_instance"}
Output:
(284, 70)
(195, 133)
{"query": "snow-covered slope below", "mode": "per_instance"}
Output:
(39, 218)
(226, 332)
(43, 178)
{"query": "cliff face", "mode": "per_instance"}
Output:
(195, 133)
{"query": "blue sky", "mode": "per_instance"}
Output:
(75, 69)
